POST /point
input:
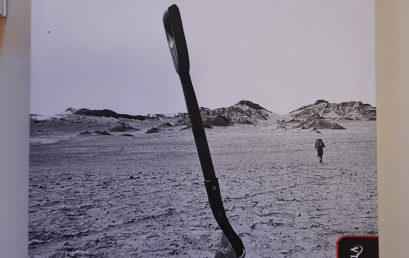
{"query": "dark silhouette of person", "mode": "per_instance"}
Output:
(319, 146)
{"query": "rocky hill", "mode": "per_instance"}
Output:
(243, 112)
(352, 110)
(325, 115)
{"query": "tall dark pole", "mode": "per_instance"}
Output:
(178, 48)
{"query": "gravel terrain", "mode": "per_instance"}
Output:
(143, 195)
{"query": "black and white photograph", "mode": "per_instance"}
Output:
(201, 129)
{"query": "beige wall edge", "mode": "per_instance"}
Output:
(392, 85)
(14, 110)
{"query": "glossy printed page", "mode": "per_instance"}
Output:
(287, 99)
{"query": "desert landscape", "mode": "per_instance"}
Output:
(104, 184)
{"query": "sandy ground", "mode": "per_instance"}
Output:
(144, 196)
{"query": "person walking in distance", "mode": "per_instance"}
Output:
(319, 146)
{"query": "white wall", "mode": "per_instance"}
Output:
(392, 79)
(14, 128)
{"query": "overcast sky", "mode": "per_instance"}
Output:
(280, 54)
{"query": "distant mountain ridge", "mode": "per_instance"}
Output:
(319, 115)
(103, 113)
(325, 115)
